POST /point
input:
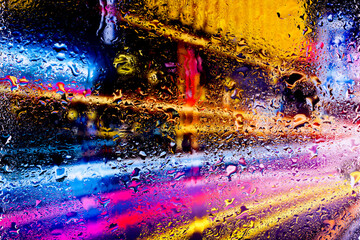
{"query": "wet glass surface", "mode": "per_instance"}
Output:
(166, 119)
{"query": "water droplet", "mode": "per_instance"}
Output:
(142, 154)
(60, 46)
(229, 201)
(75, 71)
(330, 18)
(230, 170)
(242, 162)
(60, 174)
(179, 175)
(60, 56)
(37, 202)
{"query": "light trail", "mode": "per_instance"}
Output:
(303, 199)
(312, 188)
(127, 218)
(340, 191)
(100, 170)
(275, 126)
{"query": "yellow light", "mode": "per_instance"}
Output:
(276, 26)
(72, 115)
(125, 64)
(198, 225)
(91, 115)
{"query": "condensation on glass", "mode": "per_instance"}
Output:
(167, 119)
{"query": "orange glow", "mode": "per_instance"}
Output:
(275, 26)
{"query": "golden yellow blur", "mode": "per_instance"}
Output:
(355, 177)
(198, 225)
(275, 26)
(72, 114)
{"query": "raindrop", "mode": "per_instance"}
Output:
(230, 170)
(142, 154)
(60, 46)
(60, 174)
(60, 56)
(330, 18)
(75, 71)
